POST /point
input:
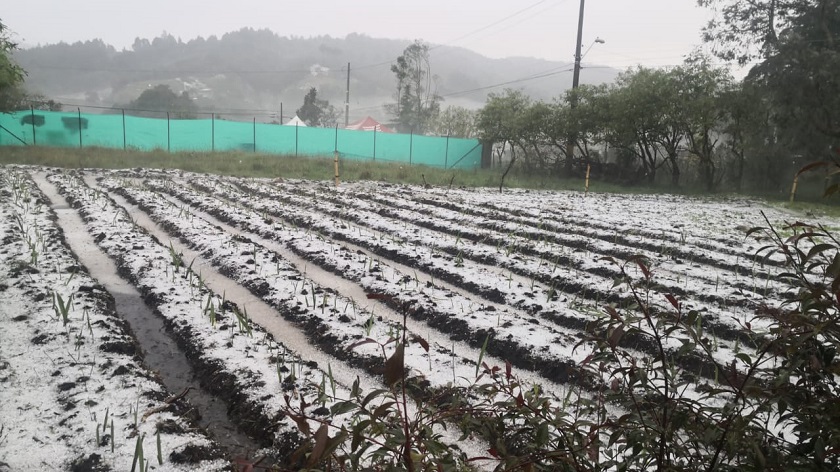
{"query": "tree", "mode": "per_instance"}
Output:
(417, 101)
(633, 112)
(702, 88)
(745, 29)
(500, 122)
(801, 75)
(317, 112)
(11, 75)
(454, 121)
(746, 118)
(161, 98)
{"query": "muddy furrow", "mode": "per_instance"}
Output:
(74, 391)
(234, 358)
(674, 263)
(161, 351)
(567, 319)
(558, 288)
(328, 320)
(677, 242)
(565, 250)
(514, 336)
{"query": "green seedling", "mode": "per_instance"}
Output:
(138, 454)
(62, 309)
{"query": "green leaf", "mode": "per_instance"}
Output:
(382, 409)
(370, 396)
(542, 434)
(744, 358)
(340, 408)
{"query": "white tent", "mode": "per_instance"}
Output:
(296, 121)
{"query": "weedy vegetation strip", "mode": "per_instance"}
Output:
(74, 393)
(234, 358)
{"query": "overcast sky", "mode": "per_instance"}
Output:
(647, 32)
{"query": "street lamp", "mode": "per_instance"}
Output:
(597, 41)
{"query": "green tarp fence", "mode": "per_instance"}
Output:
(68, 129)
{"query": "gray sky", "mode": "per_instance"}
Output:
(647, 32)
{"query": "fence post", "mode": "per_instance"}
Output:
(336, 165)
(213, 132)
(32, 112)
(79, 110)
(446, 155)
(255, 135)
(124, 140)
(410, 145)
(168, 137)
(336, 138)
(296, 138)
(793, 188)
(374, 143)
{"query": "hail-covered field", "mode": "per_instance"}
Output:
(262, 286)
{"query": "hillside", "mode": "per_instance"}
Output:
(254, 71)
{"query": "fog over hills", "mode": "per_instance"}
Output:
(253, 71)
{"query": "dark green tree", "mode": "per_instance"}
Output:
(161, 98)
(317, 112)
(742, 30)
(803, 76)
(700, 103)
(417, 101)
(11, 75)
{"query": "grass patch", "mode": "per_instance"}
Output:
(245, 164)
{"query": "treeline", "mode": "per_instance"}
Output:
(694, 125)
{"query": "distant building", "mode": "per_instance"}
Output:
(369, 124)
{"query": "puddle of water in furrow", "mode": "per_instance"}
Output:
(160, 351)
(268, 318)
(355, 291)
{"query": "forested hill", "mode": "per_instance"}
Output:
(258, 69)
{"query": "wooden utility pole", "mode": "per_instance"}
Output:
(572, 144)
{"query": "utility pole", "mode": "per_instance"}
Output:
(576, 77)
(572, 144)
(347, 100)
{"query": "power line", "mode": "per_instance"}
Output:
(491, 24)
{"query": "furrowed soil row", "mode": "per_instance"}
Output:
(234, 358)
(457, 317)
(77, 371)
(565, 318)
(420, 247)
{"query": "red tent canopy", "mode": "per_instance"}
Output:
(369, 124)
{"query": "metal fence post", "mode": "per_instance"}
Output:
(336, 137)
(446, 156)
(79, 110)
(374, 143)
(32, 112)
(213, 132)
(296, 139)
(168, 137)
(410, 145)
(123, 120)
(255, 135)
